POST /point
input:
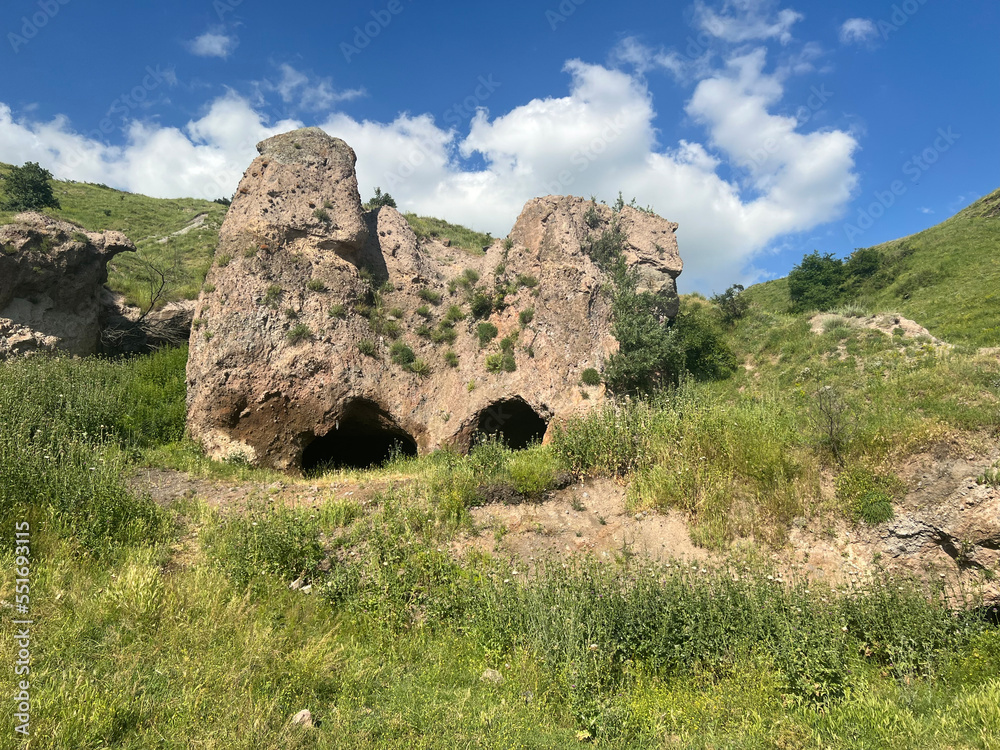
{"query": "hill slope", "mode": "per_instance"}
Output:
(946, 277)
(180, 234)
(177, 234)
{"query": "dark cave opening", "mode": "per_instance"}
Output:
(512, 421)
(364, 437)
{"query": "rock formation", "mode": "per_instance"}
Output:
(51, 284)
(327, 333)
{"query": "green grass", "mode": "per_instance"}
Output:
(461, 237)
(945, 278)
(174, 627)
(145, 221)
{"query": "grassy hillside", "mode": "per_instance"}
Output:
(178, 622)
(173, 624)
(180, 235)
(947, 278)
(150, 223)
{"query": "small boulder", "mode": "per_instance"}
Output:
(491, 676)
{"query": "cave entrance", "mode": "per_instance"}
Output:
(512, 421)
(364, 437)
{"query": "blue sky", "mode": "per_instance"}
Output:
(766, 129)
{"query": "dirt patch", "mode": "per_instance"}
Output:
(166, 486)
(946, 530)
(887, 323)
(195, 223)
(589, 517)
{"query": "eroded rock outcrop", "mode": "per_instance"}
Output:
(333, 334)
(51, 284)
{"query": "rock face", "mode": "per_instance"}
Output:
(556, 224)
(51, 283)
(332, 334)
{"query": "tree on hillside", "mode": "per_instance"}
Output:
(28, 189)
(817, 282)
(733, 305)
(380, 199)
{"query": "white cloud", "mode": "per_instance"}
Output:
(597, 139)
(212, 45)
(642, 58)
(741, 21)
(858, 31)
(309, 94)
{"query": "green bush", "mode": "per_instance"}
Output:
(526, 316)
(486, 332)
(28, 188)
(429, 295)
(481, 304)
(501, 362)
(817, 282)
(272, 296)
(380, 199)
(733, 304)
(527, 281)
(590, 376)
(401, 354)
(454, 314)
(299, 333)
(869, 496)
(367, 347)
(444, 333)
(533, 472)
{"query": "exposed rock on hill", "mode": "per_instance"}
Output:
(556, 223)
(51, 282)
(333, 334)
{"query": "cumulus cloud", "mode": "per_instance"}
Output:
(211, 44)
(306, 93)
(598, 138)
(858, 31)
(741, 21)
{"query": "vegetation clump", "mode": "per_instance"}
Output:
(28, 188)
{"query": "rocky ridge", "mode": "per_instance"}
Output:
(329, 333)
